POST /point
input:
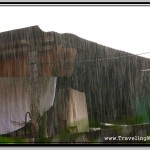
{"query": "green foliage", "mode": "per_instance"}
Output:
(10, 140)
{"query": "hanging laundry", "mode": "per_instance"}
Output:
(15, 102)
(78, 114)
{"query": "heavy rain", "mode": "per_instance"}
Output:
(60, 88)
(63, 88)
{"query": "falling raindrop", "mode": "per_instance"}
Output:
(69, 87)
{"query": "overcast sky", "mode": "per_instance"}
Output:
(122, 28)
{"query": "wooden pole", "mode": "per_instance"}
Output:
(34, 93)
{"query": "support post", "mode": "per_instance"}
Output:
(34, 94)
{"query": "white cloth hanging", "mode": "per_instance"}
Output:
(78, 114)
(15, 102)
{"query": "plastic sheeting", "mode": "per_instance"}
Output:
(15, 102)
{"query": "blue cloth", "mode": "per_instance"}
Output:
(142, 108)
